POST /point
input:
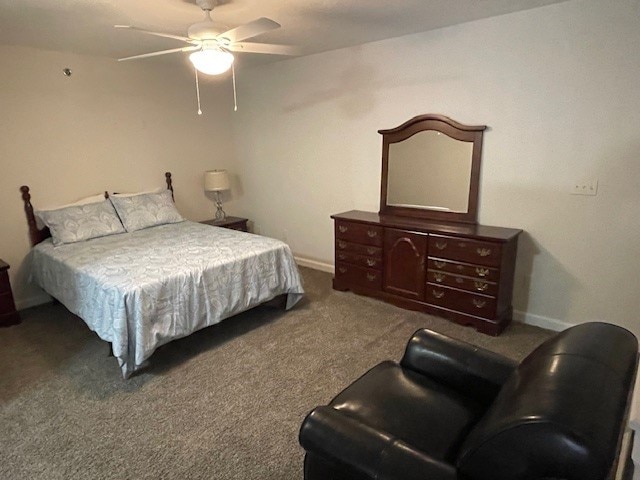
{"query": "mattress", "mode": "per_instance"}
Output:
(143, 289)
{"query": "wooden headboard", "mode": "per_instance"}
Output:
(37, 235)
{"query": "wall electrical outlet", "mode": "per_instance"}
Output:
(586, 187)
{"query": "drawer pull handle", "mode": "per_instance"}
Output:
(481, 286)
(462, 245)
(342, 244)
(437, 294)
(371, 262)
(343, 229)
(439, 264)
(438, 277)
(482, 272)
(479, 303)
(460, 267)
(372, 233)
(459, 280)
(371, 250)
(343, 269)
(484, 252)
(342, 256)
(441, 245)
(371, 276)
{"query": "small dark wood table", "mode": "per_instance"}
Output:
(8, 313)
(234, 223)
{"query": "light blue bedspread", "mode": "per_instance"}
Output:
(143, 289)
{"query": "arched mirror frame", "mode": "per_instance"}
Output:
(458, 131)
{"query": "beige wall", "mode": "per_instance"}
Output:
(110, 126)
(559, 89)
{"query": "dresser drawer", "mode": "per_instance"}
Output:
(472, 251)
(362, 260)
(343, 246)
(359, 233)
(476, 271)
(465, 283)
(467, 302)
(364, 277)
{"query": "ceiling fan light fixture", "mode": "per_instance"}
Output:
(211, 61)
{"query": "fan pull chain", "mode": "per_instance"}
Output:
(235, 98)
(198, 91)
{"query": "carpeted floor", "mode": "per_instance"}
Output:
(224, 403)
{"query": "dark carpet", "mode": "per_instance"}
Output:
(224, 403)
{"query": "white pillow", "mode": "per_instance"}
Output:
(81, 222)
(146, 210)
(83, 201)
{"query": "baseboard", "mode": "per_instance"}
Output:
(32, 301)
(541, 321)
(315, 264)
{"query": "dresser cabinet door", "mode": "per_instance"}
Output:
(405, 254)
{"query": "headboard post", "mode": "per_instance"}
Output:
(35, 235)
(169, 185)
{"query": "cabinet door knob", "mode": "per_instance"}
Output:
(371, 250)
(342, 244)
(441, 245)
(482, 272)
(439, 264)
(479, 303)
(480, 286)
(371, 262)
(437, 293)
(371, 276)
(484, 252)
(372, 233)
(343, 229)
(438, 277)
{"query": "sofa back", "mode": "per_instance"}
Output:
(561, 413)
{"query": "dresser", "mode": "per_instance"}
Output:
(462, 272)
(8, 313)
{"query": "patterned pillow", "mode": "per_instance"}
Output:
(81, 222)
(146, 210)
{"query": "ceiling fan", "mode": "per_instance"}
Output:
(211, 50)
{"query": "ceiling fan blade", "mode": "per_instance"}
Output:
(161, 52)
(251, 29)
(273, 49)
(157, 34)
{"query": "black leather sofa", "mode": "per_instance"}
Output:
(450, 410)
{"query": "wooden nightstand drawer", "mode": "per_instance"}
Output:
(8, 314)
(472, 251)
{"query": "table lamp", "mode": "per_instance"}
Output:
(217, 181)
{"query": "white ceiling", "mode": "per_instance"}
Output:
(86, 26)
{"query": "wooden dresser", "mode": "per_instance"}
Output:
(8, 313)
(462, 272)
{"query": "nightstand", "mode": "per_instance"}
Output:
(8, 313)
(234, 223)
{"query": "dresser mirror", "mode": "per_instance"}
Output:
(431, 169)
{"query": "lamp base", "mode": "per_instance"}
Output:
(220, 215)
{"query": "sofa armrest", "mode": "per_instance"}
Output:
(460, 365)
(328, 433)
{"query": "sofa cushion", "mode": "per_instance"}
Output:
(440, 419)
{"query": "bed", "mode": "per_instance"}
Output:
(141, 289)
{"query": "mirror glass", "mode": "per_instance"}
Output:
(431, 171)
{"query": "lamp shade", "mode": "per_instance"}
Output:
(211, 61)
(216, 180)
